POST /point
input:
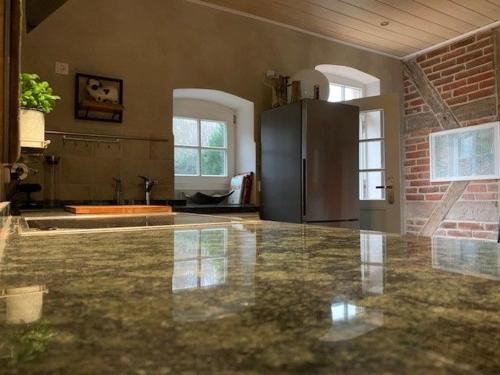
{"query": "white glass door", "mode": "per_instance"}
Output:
(379, 162)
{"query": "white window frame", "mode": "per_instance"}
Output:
(199, 148)
(496, 146)
(381, 139)
(343, 87)
(199, 258)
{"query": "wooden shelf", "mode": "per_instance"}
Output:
(92, 105)
(123, 209)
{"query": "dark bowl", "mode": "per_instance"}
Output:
(200, 198)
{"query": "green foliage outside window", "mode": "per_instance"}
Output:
(213, 159)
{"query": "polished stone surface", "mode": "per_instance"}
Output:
(217, 208)
(249, 298)
(86, 222)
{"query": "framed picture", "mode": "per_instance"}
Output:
(98, 98)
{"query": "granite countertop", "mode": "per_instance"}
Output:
(248, 298)
(217, 208)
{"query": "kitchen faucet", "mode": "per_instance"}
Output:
(148, 185)
(118, 189)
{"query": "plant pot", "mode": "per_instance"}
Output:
(32, 128)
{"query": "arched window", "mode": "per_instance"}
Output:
(348, 83)
(213, 139)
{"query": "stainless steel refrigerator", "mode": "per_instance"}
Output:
(309, 164)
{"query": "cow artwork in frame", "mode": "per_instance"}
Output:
(98, 98)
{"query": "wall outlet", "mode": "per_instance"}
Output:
(62, 68)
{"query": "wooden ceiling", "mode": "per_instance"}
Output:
(413, 25)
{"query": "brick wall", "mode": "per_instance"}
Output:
(463, 73)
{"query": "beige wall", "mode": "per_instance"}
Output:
(156, 46)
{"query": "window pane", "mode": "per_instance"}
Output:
(213, 271)
(186, 161)
(371, 124)
(368, 181)
(466, 154)
(371, 155)
(185, 132)
(213, 242)
(335, 93)
(372, 248)
(213, 162)
(484, 153)
(186, 244)
(213, 134)
(441, 161)
(338, 312)
(185, 275)
(343, 311)
(352, 93)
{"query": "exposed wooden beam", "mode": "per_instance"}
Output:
(446, 120)
(439, 108)
(453, 194)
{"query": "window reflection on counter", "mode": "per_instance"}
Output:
(373, 247)
(200, 258)
(350, 320)
(213, 272)
(468, 257)
(343, 311)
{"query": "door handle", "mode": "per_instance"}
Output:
(389, 188)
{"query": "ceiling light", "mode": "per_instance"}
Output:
(384, 23)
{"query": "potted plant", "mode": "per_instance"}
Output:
(37, 99)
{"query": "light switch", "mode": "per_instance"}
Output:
(62, 68)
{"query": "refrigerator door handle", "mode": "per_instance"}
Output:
(304, 188)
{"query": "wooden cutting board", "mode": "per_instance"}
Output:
(132, 209)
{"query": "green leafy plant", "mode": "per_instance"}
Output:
(20, 344)
(36, 94)
(31, 342)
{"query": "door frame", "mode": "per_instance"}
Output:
(391, 105)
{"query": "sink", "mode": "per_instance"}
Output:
(117, 222)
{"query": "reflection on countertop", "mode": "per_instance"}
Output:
(468, 257)
(201, 270)
(350, 321)
(249, 298)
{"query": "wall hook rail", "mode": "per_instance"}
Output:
(105, 138)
